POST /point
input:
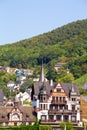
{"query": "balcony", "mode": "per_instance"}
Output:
(58, 102)
(62, 112)
(51, 121)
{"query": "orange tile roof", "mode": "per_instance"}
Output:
(12, 69)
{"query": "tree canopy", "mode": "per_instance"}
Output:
(65, 44)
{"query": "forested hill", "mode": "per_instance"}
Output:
(66, 44)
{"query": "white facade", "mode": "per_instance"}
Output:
(58, 107)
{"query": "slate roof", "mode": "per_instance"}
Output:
(66, 86)
(42, 84)
(27, 113)
(38, 85)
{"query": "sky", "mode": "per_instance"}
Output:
(22, 19)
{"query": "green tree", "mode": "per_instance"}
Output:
(68, 77)
(45, 127)
(6, 90)
(51, 73)
(27, 84)
(68, 126)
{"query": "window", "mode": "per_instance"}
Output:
(73, 118)
(66, 117)
(60, 98)
(43, 117)
(53, 98)
(44, 98)
(44, 106)
(58, 117)
(66, 107)
(57, 98)
(41, 106)
(15, 117)
(50, 117)
(63, 98)
(58, 90)
(53, 107)
(73, 99)
(73, 107)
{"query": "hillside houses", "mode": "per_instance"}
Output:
(26, 72)
(53, 103)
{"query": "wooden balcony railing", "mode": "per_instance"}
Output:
(62, 112)
(51, 121)
(58, 102)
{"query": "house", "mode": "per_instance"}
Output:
(59, 66)
(20, 79)
(11, 70)
(16, 115)
(56, 102)
(18, 72)
(23, 97)
(27, 72)
(11, 85)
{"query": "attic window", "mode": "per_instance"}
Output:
(58, 90)
(27, 115)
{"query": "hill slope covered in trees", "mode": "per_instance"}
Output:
(66, 44)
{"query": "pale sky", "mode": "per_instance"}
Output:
(22, 19)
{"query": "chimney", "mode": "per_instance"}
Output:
(72, 88)
(51, 82)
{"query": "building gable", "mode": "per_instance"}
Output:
(58, 90)
(15, 115)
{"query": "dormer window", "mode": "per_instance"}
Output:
(3, 116)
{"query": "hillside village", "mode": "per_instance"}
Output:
(49, 102)
(53, 95)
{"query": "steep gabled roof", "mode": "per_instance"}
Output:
(66, 86)
(38, 85)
